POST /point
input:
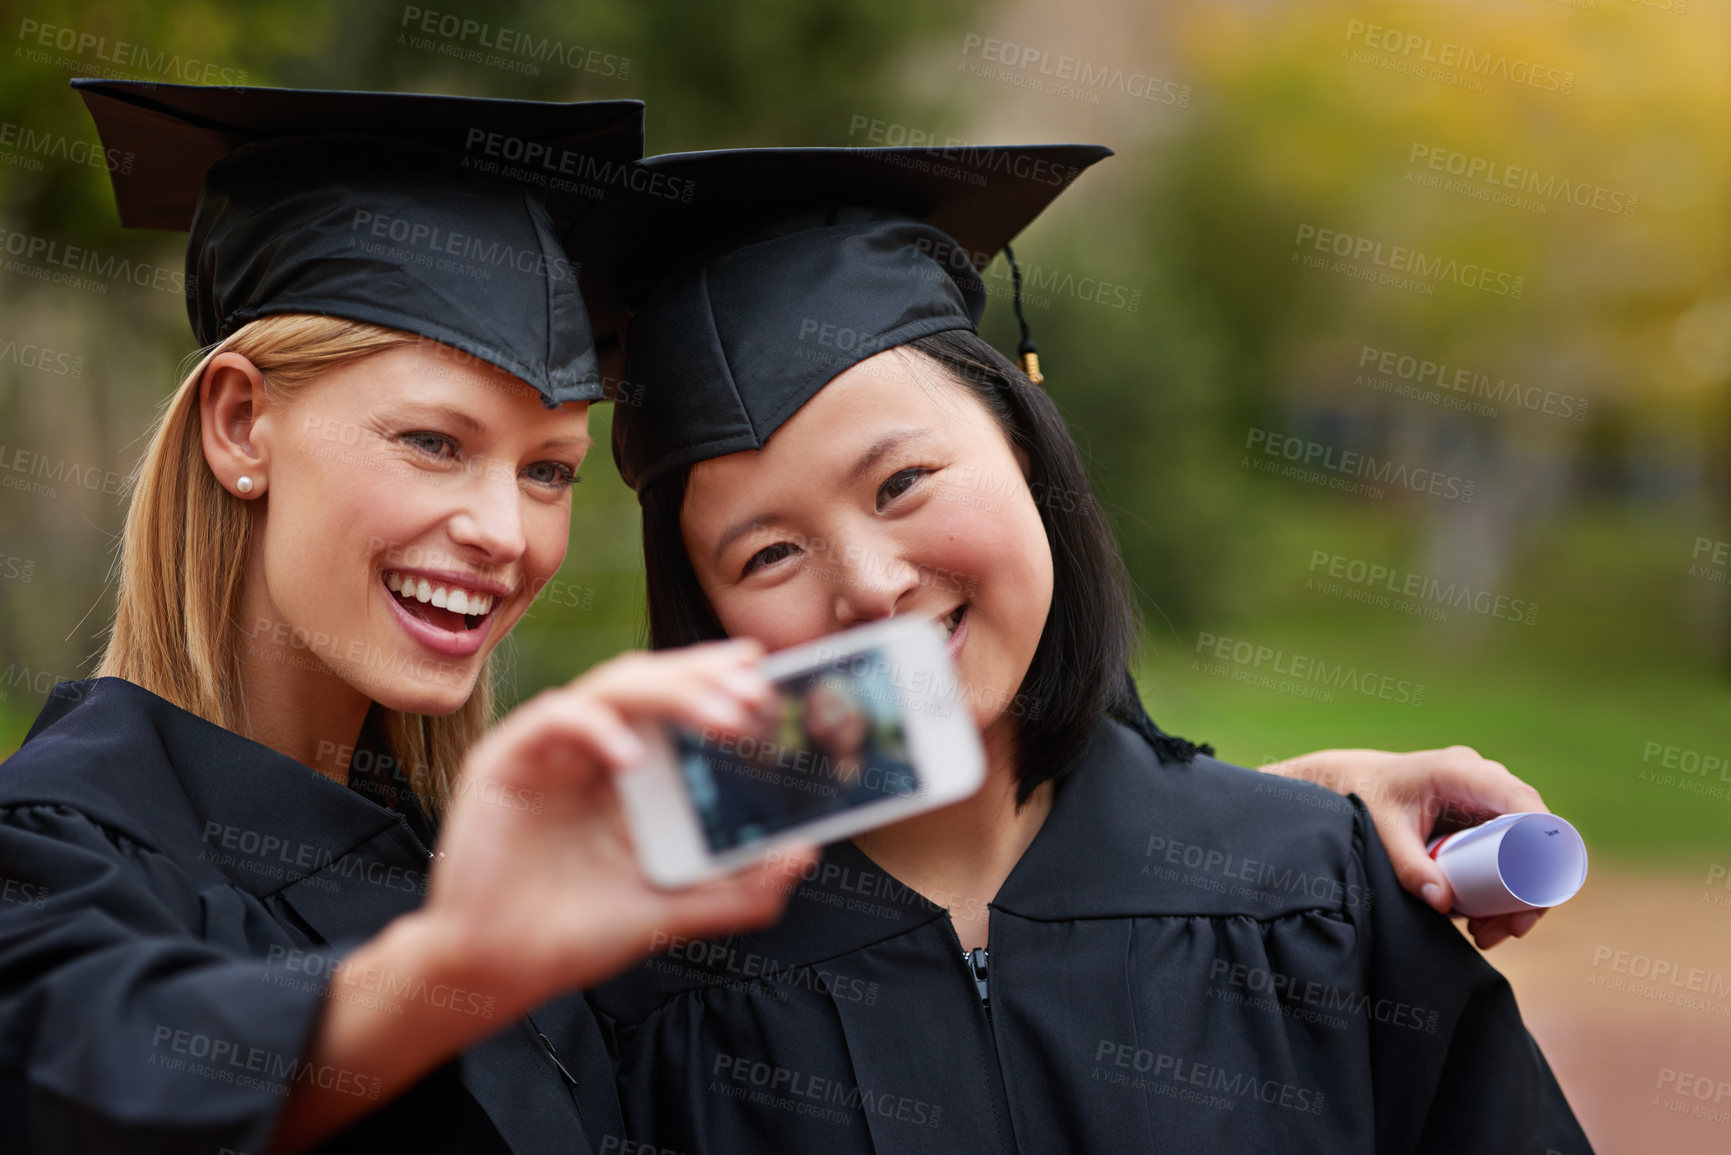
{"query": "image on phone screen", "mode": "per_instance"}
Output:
(838, 742)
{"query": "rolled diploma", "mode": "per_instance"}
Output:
(1512, 863)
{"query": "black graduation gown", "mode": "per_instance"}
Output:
(1189, 958)
(173, 895)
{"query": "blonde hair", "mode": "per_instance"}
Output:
(183, 554)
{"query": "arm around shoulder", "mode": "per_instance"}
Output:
(1455, 1067)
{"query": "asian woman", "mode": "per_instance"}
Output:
(1120, 943)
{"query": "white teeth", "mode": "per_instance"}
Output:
(454, 598)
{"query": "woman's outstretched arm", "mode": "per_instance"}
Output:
(527, 903)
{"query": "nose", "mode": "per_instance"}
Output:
(873, 581)
(490, 516)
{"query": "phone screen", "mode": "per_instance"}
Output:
(836, 741)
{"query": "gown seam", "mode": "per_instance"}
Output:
(1333, 913)
(111, 834)
(744, 984)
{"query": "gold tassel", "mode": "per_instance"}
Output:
(1031, 366)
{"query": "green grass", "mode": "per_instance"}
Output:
(1624, 652)
(1579, 737)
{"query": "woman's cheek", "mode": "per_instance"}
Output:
(778, 618)
(549, 539)
(962, 550)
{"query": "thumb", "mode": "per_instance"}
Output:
(1418, 872)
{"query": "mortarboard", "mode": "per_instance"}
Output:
(793, 264)
(437, 215)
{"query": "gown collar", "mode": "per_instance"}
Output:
(269, 823)
(1118, 822)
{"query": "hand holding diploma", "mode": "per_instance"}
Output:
(1513, 863)
(1417, 797)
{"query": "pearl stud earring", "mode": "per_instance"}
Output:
(244, 484)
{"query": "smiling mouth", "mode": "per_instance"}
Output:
(443, 605)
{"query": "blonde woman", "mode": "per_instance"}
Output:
(219, 945)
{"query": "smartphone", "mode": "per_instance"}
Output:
(866, 728)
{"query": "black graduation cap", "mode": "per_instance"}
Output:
(438, 215)
(789, 265)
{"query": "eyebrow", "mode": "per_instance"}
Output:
(894, 439)
(459, 418)
(738, 530)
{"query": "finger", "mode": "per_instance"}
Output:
(1490, 933)
(734, 666)
(556, 712)
(1418, 872)
(1523, 922)
(554, 739)
(708, 660)
(1466, 781)
(714, 690)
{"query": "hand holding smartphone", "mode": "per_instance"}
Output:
(866, 728)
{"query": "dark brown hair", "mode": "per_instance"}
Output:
(1079, 670)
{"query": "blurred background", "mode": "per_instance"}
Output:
(1398, 337)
